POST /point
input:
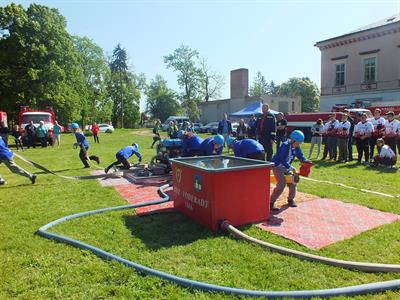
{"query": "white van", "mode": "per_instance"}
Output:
(179, 120)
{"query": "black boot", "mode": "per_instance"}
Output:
(292, 203)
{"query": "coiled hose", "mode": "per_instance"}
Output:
(344, 291)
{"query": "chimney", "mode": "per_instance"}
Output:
(239, 83)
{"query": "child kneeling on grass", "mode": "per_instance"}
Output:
(123, 155)
(6, 157)
(282, 160)
(386, 156)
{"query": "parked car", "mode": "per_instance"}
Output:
(196, 127)
(178, 119)
(106, 128)
(205, 128)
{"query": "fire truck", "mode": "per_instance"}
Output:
(385, 107)
(304, 121)
(3, 117)
(46, 115)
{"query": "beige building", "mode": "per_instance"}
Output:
(362, 66)
(213, 110)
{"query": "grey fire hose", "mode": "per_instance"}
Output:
(323, 293)
(353, 265)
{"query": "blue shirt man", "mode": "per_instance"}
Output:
(191, 145)
(248, 148)
(5, 153)
(81, 140)
(286, 154)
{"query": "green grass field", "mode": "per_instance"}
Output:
(33, 267)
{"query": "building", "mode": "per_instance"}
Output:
(362, 66)
(213, 110)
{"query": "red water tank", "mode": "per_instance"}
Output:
(215, 188)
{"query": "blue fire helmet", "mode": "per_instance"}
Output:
(230, 141)
(297, 136)
(136, 146)
(219, 140)
(180, 134)
(74, 125)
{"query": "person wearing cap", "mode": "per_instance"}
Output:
(391, 131)
(362, 133)
(331, 138)
(83, 144)
(342, 133)
(42, 133)
(6, 157)
(212, 146)
(246, 148)
(191, 144)
(282, 166)
(266, 131)
(379, 127)
(123, 155)
(172, 129)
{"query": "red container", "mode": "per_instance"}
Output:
(214, 188)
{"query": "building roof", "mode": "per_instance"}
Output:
(384, 22)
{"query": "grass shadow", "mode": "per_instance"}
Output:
(166, 230)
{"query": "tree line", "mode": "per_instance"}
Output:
(41, 65)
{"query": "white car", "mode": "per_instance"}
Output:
(106, 128)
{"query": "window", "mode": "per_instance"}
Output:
(339, 74)
(369, 66)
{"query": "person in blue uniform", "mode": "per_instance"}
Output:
(6, 157)
(123, 155)
(83, 144)
(247, 148)
(266, 131)
(191, 144)
(282, 161)
(212, 146)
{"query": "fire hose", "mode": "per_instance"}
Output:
(193, 284)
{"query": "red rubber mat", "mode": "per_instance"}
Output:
(134, 193)
(321, 222)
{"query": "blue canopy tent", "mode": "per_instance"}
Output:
(251, 109)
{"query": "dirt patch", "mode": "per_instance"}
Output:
(143, 132)
(300, 197)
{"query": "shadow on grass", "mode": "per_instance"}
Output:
(57, 171)
(166, 230)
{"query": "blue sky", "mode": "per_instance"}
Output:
(274, 37)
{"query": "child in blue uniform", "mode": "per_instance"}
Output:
(212, 146)
(191, 144)
(247, 148)
(84, 146)
(282, 160)
(6, 157)
(123, 155)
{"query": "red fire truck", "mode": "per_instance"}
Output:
(46, 115)
(385, 107)
(3, 117)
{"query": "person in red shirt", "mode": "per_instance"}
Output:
(95, 130)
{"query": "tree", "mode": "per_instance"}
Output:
(119, 69)
(260, 86)
(273, 88)
(306, 89)
(96, 70)
(210, 82)
(39, 65)
(184, 61)
(162, 102)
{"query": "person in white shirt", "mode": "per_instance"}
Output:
(379, 127)
(342, 133)
(386, 155)
(362, 133)
(331, 138)
(391, 131)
